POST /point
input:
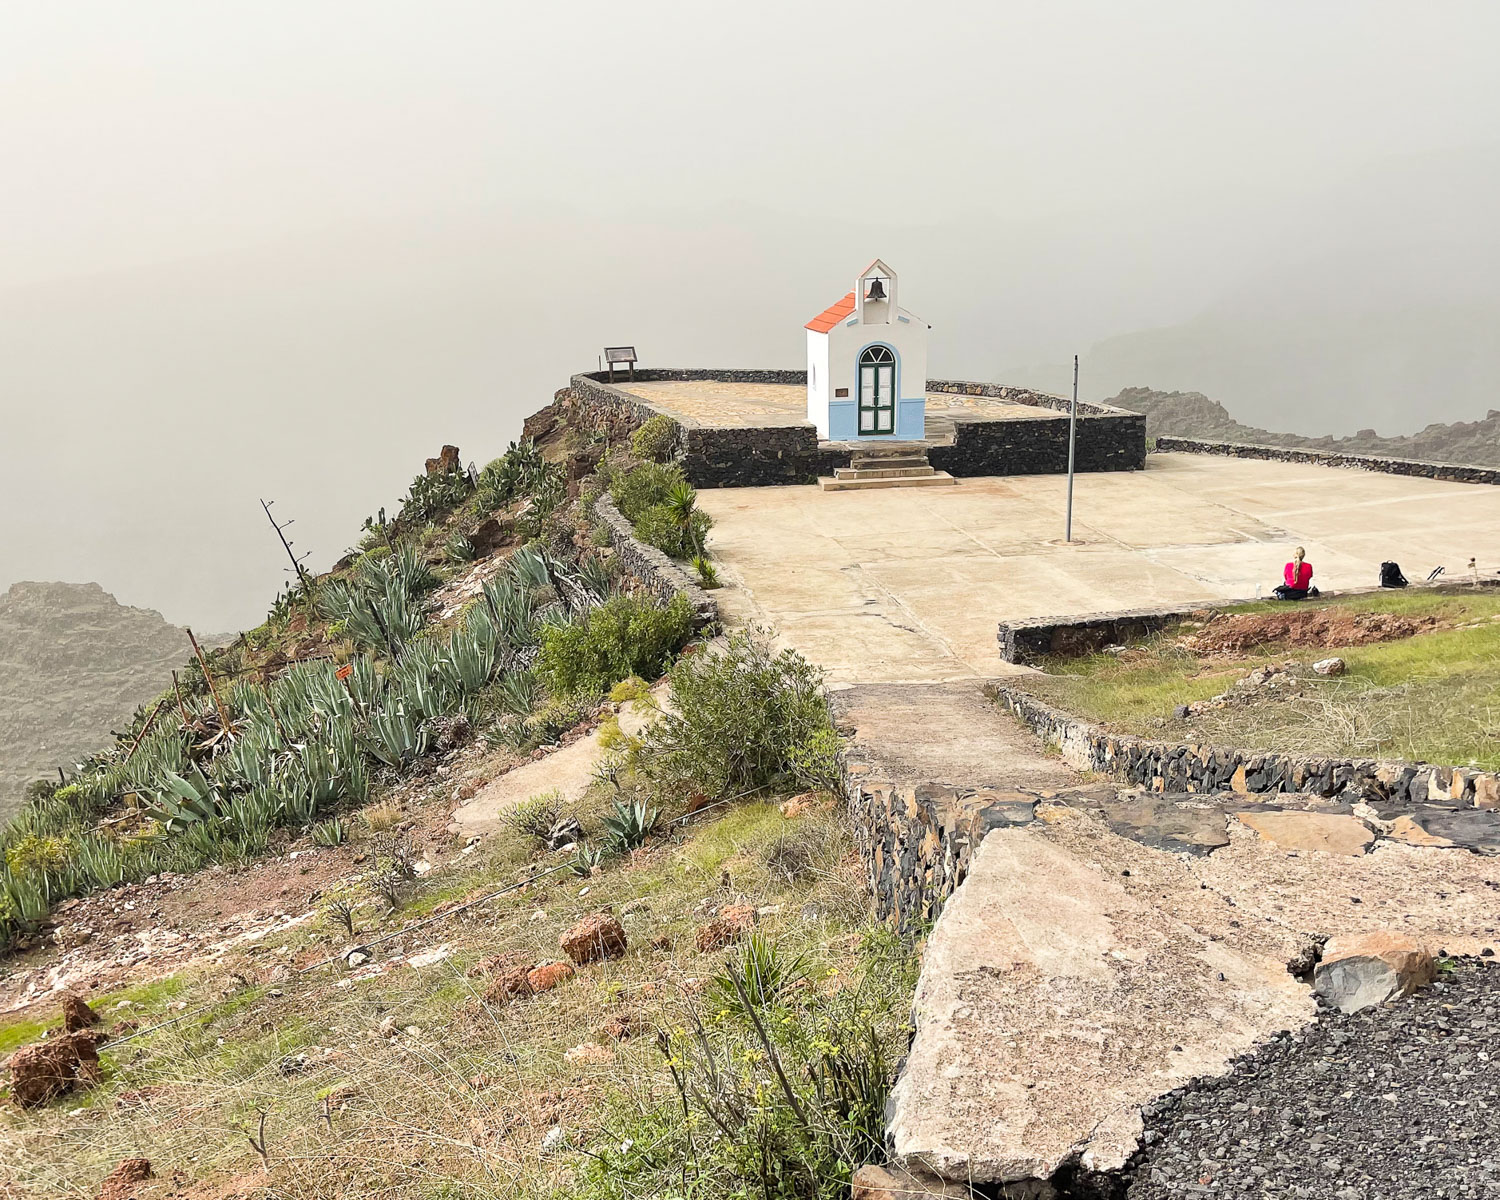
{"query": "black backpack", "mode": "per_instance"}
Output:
(1390, 575)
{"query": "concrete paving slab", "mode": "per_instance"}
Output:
(943, 733)
(1078, 974)
(1055, 1000)
(948, 564)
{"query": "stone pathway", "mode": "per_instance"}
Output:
(568, 769)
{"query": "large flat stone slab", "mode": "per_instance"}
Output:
(1060, 992)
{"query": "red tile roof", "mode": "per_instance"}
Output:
(832, 315)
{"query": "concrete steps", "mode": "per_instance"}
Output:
(886, 468)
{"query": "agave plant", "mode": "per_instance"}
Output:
(631, 824)
(396, 737)
(182, 802)
(518, 691)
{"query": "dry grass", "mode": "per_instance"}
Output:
(461, 1107)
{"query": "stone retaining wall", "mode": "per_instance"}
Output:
(1109, 439)
(714, 456)
(1085, 633)
(1170, 767)
(1450, 472)
(658, 573)
(916, 839)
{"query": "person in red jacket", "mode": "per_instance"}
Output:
(1297, 578)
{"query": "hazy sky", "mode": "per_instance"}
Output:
(291, 248)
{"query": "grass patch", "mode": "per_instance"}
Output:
(1433, 697)
(463, 1106)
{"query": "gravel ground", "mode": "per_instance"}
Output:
(1397, 1101)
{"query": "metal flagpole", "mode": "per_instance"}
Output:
(1072, 438)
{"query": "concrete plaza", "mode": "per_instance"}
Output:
(908, 585)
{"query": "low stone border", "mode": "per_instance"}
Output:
(660, 574)
(1028, 642)
(1449, 472)
(1171, 767)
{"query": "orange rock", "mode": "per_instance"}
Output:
(547, 976)
(120, 1184)
(514, 984)
(598, 936)
(732, 923)
(77, 1014)
(46, 1070)
(799, 804)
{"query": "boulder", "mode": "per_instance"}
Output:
(76, 1013)
(46, 1070)
(446, 461)
(548, 976)
(1366, 969)
(123, 1182)
(596, 937)
(1329, 666)
(566, 831)
(513, 984)
(732, 923)
(895, 1183)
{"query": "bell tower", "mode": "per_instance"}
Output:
(875, 294)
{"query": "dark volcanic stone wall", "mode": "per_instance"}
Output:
(655, 571)
(1451, 472)
(916, 841)
(717, 457)
(1169, 767)
(1109, 439)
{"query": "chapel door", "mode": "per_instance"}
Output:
(877, 392)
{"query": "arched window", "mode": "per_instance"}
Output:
(877, 390)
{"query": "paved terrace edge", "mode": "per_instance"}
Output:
(1447, 472)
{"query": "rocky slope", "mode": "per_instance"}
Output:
(1192, 414)
(74, 663)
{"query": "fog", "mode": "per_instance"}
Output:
(289, 250)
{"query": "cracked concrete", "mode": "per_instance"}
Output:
(1078, 974)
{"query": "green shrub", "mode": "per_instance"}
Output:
(737, 722)
(626, 635)
(779, 1098)
(656, 439)
(535, 817)
(662, 527)
(632, 688)
(433, 494)
(37, 857)
(644, 486)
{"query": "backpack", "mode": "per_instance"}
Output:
(1390, 575)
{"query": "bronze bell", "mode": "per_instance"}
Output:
(877, 290)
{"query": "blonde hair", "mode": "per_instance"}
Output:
(1299, 552)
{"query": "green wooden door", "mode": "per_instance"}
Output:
(877, 391)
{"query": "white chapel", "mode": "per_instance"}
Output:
(867, 364)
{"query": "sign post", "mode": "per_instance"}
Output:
(1072, 440)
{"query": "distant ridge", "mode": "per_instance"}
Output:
(74, 663)
(1192, 414)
